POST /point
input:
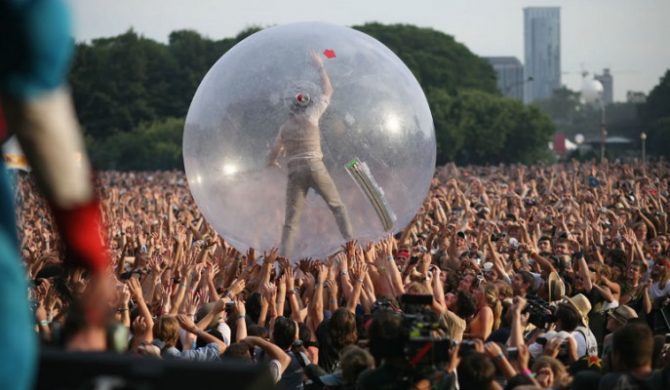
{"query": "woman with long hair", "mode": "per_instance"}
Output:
(489, 312)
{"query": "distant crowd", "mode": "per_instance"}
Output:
(553, 276)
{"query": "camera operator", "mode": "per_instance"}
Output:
(387, 347)
(560, 344)
(586, 341)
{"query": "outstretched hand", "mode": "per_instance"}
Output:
(316, 58)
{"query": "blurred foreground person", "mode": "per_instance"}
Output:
(36, 47)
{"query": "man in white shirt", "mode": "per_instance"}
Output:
(300, 138)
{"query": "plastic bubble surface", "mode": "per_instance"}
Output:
(377, 114)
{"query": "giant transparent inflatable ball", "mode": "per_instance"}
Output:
(375, 139)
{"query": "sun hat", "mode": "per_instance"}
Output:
(582, 304)
(623, 313)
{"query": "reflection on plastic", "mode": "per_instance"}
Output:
(360, 173)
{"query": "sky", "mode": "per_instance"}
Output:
(627, 36)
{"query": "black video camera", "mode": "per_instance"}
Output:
(540, 313)
(424, 345)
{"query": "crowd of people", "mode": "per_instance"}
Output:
(552, 276)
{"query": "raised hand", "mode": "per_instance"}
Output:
(269, 292)
(272, 256)
(284, 263)
(211, 270)
(124, 294)
(358, 271)
(139, 326)
(492, 349)
(187, 323)
(251, 256)
(236, 287)
(135, 288)
(290, 280)
(322, 273)
(240, 309)
(191, 303)
(316, 58)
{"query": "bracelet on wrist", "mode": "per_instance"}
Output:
(290, 291)
(44, 323)
(240, 317)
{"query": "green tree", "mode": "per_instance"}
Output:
(132, 95)
(435, 58)
(155, 145)
(475, 127)
(657, 105)
(655, 113)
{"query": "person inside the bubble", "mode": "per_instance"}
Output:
(299, 139)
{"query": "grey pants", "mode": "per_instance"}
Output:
(304, 175)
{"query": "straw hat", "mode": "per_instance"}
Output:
(623, 313)
(582, 304)
(556, 287)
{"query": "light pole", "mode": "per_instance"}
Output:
(579, 140)
(603, 130)
(643, 138)
(592, 91)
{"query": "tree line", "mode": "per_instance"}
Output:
(132, 95)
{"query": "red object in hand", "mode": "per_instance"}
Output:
(329, 53)
(81, 228)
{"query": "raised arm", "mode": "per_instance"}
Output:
(358, 271)
(325, 79)
(272, 350)
(583, 270)
(136, 292)
(240, 320)
(316, 304)
(187, 324)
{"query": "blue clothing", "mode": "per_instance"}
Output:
(35, 47)
(18, 341)
(208, 353)
(35, 52)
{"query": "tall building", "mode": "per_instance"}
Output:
(607, 81)
(509, 72)
(542, 49)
